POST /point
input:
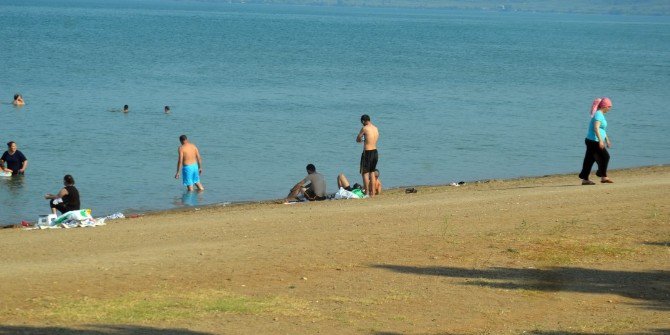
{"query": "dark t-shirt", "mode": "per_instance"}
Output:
(71, 200)
(15, 161)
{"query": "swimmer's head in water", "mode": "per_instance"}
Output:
(16, 96)
(167, 108)
(182, 139)
(310, 168)
(125, 107)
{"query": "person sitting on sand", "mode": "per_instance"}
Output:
(313, 187)
(18, 100)
(125, 109)
(67, 198)
(343, 182)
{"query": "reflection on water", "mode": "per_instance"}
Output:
(191, 198)
(14, 184)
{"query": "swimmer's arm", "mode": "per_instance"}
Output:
(359, 138)
(601, 141)
(63, 192)
(179, 162)
(2, 167)
(298, 185)
(199, 159)
(24, 166)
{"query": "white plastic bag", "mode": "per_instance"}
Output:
(344, 194)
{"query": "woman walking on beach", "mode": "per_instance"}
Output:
(597, 143)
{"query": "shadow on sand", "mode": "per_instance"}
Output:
(651, 288)
(527, 187)
(96, 330)
(651, 332)
(658, 244)
(541, 332)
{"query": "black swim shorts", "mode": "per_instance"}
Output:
(369, 161)
(310, 195)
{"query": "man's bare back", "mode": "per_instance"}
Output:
(369, 134)
(189, 163)
(188, 153)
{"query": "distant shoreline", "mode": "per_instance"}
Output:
(651, 8)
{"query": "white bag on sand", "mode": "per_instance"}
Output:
(78, 215)
(344, 194)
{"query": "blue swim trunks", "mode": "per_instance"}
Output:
(190, 175)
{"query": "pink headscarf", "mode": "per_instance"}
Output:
(600, 103)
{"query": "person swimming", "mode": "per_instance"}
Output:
(18, 100)
(125, 109)
(167, 109)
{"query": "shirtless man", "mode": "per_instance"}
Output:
(189, 164)
(369, 135)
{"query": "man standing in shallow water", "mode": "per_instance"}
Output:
(190, 164)
(369, 135)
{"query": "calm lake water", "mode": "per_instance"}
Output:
(264, 90)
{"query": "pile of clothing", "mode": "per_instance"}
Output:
(355, 193)
(72, 219)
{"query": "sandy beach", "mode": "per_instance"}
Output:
(532, 255)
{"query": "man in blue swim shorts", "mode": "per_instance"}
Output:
(189, 164)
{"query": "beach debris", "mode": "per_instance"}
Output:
(411, 190)
(71, 219)
(46, 220)
(115, 216)
(353, 194)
